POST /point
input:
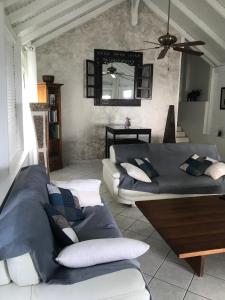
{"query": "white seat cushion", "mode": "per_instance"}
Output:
(22, 270)
(4, 275)
(121, 285)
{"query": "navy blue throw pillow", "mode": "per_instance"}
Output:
(64, 201)
(196, 165)
(63, 232)
(145, 165)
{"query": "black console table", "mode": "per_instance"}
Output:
(111, 132)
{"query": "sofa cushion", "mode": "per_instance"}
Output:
(216, 170)
(100, 251)
(196, 165)
(65, 202)
(135, 172)
(145, 165)
(120, 285)
(61, 228)
(86, 190)
(4, 274)
(22, 270)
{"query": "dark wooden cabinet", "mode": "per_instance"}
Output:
(51, 93)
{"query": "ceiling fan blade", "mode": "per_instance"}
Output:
(152, 43)
(162, 54)
(194, 43)
(145, 49)
(188, 51)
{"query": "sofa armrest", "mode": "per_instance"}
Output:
(111, 168)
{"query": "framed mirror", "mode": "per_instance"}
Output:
(118, 78)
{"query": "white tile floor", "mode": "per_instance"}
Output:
(168, 277)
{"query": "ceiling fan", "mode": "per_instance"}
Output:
(113, 72)
(168, 41)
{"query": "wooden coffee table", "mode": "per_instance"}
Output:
(192, 227)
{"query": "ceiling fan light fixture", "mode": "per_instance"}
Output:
(113, 75)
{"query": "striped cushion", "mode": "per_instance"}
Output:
(64, 233)
(145, 165)
(65, 203)
(196, 165)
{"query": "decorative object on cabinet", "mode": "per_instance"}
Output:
(50, 93)
(127, 123)
(118, 78)
(39, 113)
(48, 78)
(115, 130)
(169, 135)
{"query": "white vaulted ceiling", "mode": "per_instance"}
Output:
(39, 21)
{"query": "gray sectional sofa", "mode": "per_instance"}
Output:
(172, 182)
(27, 251)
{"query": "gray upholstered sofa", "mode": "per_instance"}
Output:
(166, 159)
(27, 250)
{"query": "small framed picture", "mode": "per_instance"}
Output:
(222, 98)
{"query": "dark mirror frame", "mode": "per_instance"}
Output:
(109, 56)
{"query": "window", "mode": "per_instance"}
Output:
(127, 94)
(15, 128)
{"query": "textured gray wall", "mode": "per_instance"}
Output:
(83, 123)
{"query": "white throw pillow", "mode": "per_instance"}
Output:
(4, 274)
(216, 170)
(100, 251)
(86, 190)
(135, 172)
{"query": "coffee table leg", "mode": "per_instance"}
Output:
(197, 264)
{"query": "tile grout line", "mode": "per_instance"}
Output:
(187, 290)
(162, 263)
(214, 276)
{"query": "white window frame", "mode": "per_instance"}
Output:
(8, 170)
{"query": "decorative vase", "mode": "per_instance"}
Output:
(48, 78)
(127, 123)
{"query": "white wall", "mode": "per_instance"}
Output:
(195, 75)
(191, 117)
(216, 118)
(82, 122)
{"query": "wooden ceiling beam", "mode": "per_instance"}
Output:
(78, 22)
(217, 6)
(134, 12)
(198, 22)
(208, 57)
(63, 20)
(27, 26)
(8, 3)
(27, 11)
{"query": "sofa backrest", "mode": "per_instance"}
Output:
(166, 158)
(24, 225)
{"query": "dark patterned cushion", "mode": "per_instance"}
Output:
(65, 203)
(145, 165)
(63, 232)
(196, 165)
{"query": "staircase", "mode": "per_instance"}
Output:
(181, 136)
